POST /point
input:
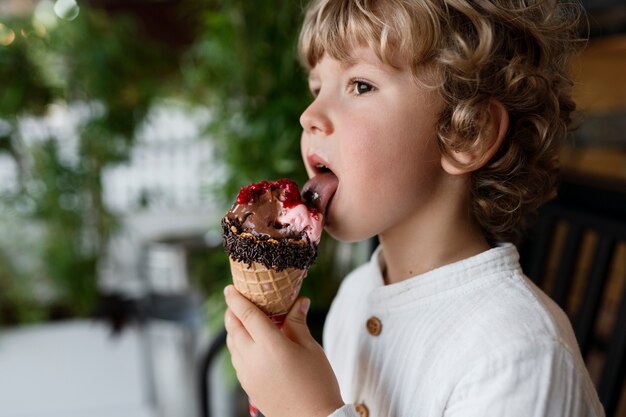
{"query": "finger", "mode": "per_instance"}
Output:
(238, 337)
(257, 324)
(295, 327)
(232, 349)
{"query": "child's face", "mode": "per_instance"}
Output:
(374, 127)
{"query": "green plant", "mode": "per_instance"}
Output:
(242, 65)
(107, 66)
(245, 61)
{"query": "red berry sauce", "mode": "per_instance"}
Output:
(290, 197)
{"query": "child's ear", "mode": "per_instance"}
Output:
(491, 138)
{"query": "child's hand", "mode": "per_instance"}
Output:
(285, 373)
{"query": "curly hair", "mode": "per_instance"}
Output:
(471, 52)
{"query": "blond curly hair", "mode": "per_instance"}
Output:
(471, 52)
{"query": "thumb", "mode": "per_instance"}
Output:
(295, 327)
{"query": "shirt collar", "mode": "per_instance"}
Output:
(457, 276)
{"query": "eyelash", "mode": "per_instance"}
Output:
(354, 83)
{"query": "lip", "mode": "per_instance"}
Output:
(320, 170)
(316, 161)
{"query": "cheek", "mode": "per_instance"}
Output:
(392, 170)
(367, 143)
(393, 154)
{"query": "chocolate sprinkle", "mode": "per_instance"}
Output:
(273, 253)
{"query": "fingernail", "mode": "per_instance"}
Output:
(227, 290)
(304, 306)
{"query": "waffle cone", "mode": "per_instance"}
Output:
(272, 291)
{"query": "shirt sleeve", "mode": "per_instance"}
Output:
(539, 380)
(347, 410)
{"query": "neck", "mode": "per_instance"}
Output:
(435, 236)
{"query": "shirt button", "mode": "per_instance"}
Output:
(362, 410)
(374, 326)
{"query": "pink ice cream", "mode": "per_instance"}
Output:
(300, 217)
(275, 209)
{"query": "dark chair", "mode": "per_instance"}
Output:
(205, 363)
(577, 254)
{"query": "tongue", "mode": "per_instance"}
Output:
(319, 190)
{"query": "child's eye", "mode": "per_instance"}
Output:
(359, 87)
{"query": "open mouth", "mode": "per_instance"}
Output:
(322, 169)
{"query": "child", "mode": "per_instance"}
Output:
(438, 123)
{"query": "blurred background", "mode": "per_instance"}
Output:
(126, 129)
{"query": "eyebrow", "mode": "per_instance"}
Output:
(345, 64)
(353, 62)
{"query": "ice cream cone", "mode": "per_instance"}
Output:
(274, 292)
(271, 235)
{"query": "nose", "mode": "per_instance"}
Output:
(315, 119)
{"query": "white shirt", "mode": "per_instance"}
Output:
(475, 338)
